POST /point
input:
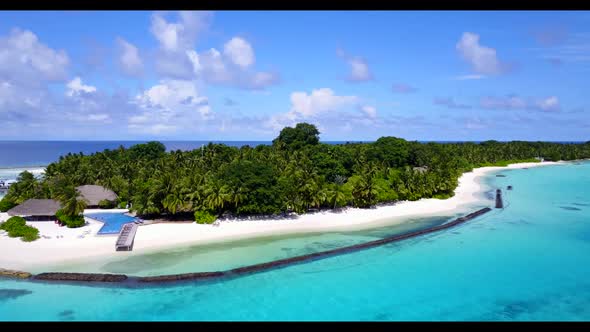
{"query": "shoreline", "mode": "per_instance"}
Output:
(81, 245)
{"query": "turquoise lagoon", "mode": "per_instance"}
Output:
(529, 261)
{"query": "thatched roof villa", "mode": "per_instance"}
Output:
(36, 209)
(93, 194)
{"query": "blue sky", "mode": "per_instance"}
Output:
(244, 75)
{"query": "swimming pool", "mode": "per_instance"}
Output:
(112, 221)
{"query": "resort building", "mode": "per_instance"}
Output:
(36, 210)
(93, 194)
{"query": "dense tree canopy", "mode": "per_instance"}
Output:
(295, 138)
(295, 173)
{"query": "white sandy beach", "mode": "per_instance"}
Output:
(72, 245)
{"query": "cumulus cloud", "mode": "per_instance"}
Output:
(483, 59)
(19, 102)
(450, 103)
(176, 39)
(76, 87)
(182, 34)
(216, 68)
(310, 105)
(403, 88)
(24, 59)
(177, 58)
(548, 104)
(240, 52)
(169, 105)
(129, 60)
(171, 94)
(359, 69)
(370, 111)
(318, 101)
(513, 102)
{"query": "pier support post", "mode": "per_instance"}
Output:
(499, 202)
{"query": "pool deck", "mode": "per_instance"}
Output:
(96, 214)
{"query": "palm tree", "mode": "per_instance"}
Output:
(336, 196)
(318, 197)
(69, 197)
(236, 195)
(175, 202)
(215, 195)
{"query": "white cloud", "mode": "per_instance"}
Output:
(129, 60)
(482, 59)
(240, 52)
(193, 56)
(24, 59)
(168, 106)
(177, 59)
(318, 101)
(20, 100)
(170, 95)
(370, 111)
(180, 35)
(359, 69)
(549, 104)
(175, 65)
(76, 87)
(177, 40)
(213, 67)
(306, 106)
(205, 110)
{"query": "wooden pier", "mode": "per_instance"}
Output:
(126, 237)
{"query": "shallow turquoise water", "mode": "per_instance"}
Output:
(529, 261)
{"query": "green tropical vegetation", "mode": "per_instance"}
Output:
(71, 221)
(204, 217)
(6, 205)
(297, 173)
(106, 204)
(17, 227)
